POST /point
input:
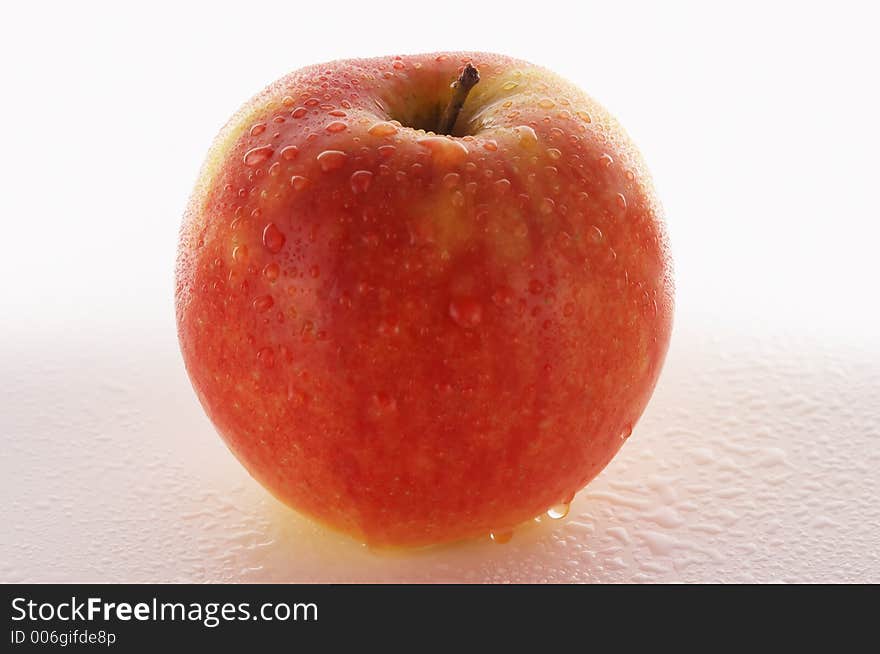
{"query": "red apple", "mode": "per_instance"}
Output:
(414, 336)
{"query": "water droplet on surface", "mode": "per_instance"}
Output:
(240, 253)
(330, 160)
(509, 86)
(466, 312)
(256, 156)
(298, 182)
(361, 180)
(266, 356)
(273, 238)
(606, 159)
(584, 116)
(547, 206)
(258, 129)
(500, 537)
(299, 112)
(546, 103)
(621, 201)
(383, 129)
(290, 152)
(626, 433)
(558, 511)
(336, 126)
(444, 149)
(595, 234)
(263, 303)
(451, 180)
(490, 145)
(526, 134)
(553, 153)
(271, 271)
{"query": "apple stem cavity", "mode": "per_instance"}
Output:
(460, 89)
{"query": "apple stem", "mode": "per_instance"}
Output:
(460, 89)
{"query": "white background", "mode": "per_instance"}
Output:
(758, 457)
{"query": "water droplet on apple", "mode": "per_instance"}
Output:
(298, 182)
(444, 149)
(330, 160)
(584, 116)
(606, 159)
(258, 129)
(263, 303)
(621, 201)
(273, 238)
(466, 312)
(546, 103)
(558, 511)
(385, 151)
(361, 180)
(299, 112)
(336, 126)
(256, 156)
(503, 296)
(290, 152)
(271, 271)
(595, 234)
(526, 135)
(266, 356)
(626, 433)
(502, 185)
(240, 253)
(509, 86)
(553, 153)
(501, 537)
(547, 206)
(382, 128)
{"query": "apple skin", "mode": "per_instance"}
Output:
(413, 338)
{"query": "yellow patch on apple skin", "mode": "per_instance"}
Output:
(508, 232)
(439, 221)
(218, 155)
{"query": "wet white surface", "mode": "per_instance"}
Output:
(758, 458)
(756, 461)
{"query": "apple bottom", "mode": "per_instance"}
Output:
(426, 461)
